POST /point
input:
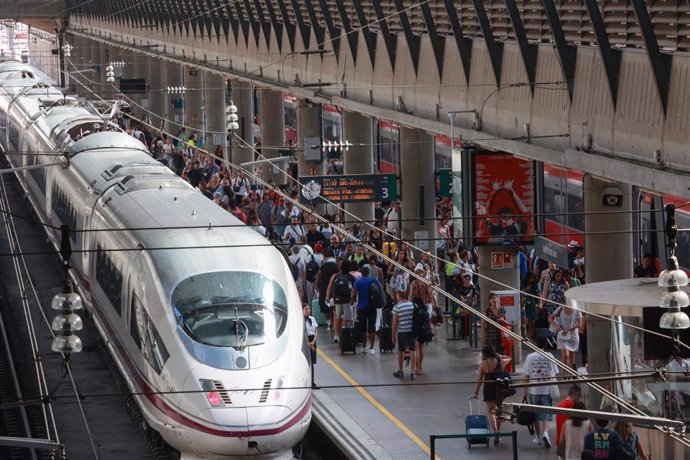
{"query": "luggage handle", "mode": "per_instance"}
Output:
(470, 403)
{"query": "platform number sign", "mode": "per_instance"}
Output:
(348, 188)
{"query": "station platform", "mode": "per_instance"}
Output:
(394, 422)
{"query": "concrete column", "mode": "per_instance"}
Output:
(308, 125)
(243, 97)
(215, 112)
(272, 130)
(159, 99)
(140, 65)
(193, 100)
(509, 274)
(175, 117)
(106, 89)
(418, 187)
(357, 129)
(607, 257)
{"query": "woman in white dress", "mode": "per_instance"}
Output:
(566, 322)
(574, 432)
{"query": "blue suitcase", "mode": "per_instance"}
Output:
(478, 427)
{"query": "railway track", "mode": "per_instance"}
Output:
(88, 429)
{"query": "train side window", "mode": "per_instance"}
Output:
(135, 320)
(146, 336)
(63, 209)
(109, 278)
(38, 174)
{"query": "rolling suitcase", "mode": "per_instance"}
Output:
(316, 312)
(478, 426)
(385, 332)
(348, 341)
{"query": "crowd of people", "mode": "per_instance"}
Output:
(334, 272)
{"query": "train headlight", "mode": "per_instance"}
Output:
(213, 392)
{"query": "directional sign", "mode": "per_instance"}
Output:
(347, 188)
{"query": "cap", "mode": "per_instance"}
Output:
(573, 244)
(318, 247)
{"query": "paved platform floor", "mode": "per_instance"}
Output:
(400, 418)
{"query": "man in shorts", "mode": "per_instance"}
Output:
(337, 292)
(538, 369)
(366, 314)
(402, 330)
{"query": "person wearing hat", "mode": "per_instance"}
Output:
(572, 251)
(421, 287)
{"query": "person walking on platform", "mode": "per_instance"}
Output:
(366, 314)
(491, 335)
(538, 368)
(312, 329)
(339, 291)
(402, 331)
(491, 363)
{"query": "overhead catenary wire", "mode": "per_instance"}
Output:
(233, 166)
(478, 313)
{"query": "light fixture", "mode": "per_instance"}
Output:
(673, 279)
(109, 74)
(67, 50)
(67, 321)
(176, 89)
(231, 117)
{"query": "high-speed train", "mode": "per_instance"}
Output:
(204, 320)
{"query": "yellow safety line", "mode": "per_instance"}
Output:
(376, 404)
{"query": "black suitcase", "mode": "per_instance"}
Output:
(385, 331)
(348, 340)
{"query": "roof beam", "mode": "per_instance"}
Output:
(463, 43)
(437, 42)
(495, 48)
(304, 29)
(609, 56)
(527, 50)
(389, 38)
(318, 30)
(277, 26)
(412, 39)
(566, 54)
(369, 36)
(333, 31)
(660, 63)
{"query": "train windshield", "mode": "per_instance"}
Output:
(230, 309)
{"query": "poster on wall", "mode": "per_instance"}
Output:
(503, 199)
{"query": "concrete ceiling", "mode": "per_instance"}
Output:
(28, 9)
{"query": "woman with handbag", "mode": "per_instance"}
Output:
(491, 368)
(566, 322)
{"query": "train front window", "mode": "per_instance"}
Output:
(230, 309)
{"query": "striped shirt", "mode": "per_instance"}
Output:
(404, 311)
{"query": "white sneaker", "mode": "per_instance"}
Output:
(536, 440)
(371, 351)
(547, 441)
(336, 339)
(364, 350)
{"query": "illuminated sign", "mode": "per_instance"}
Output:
(348, 188)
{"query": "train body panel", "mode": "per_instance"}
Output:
(212, 334)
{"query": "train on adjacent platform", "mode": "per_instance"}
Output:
(204, 321)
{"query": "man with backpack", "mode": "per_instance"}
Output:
(339, 291)
(366, 306)
(312, 264)
(328, 268)
(296, 268)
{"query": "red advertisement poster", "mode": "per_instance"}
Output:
(503, 199)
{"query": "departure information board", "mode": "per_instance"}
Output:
(348, 188)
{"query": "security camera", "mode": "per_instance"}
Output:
(612, 197)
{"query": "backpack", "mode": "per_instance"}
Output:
(294, 269)
(341, 288)
(377, 298)
(311, 270)
(420, 321)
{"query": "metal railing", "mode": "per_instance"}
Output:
(434, 437)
